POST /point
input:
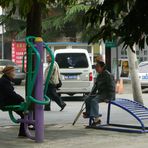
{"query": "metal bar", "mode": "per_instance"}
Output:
(106, 127)
(143, 118)
(131, 104)
(26, 121)
(126, 126)
(23, 63)
(132, 109)
(136, 109)
(29, 135)
(12, 117)
(2, 37)
(39, 111)
(108, 113)
(145, 113)
(135, 103)
(139, 111)
(117, 60)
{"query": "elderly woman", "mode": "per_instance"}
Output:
(7, 94)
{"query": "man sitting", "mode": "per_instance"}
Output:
(102, 91)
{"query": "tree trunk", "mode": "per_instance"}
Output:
(34, 26)
(34, 20)
(133, 68)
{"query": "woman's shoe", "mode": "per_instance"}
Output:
(47, 108)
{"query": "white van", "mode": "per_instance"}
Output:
(76, 71)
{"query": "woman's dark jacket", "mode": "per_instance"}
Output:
(7, 94)
(105, 85)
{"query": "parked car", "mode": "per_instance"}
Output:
(143, 74)
(76, 71)
(19, 75)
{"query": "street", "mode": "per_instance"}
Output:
(68, 114)
(73, 106)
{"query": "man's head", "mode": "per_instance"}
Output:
(100, 66)
(48, 57)
(9, 71)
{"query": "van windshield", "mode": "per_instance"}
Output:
(72, 60)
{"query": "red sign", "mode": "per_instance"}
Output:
(18, 51)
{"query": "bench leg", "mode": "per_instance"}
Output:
(108, 113)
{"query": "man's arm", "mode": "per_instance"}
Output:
(10, 93)
(94, 89)
(110, 83)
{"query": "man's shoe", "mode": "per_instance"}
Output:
(95, 123)
(47, 108)
(22, 135)
(63, 106)
(85, 115)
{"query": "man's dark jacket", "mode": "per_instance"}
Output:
(7, 94)
(105, 85)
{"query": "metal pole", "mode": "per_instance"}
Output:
(108, 113)
(39, 111)
(2, 39)
(117, 60)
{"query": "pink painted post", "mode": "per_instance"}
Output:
(39, 111)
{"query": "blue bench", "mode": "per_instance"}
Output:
(136, 110)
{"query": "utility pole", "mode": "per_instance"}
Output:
(2, 42)
(2, 39)
(117, 62)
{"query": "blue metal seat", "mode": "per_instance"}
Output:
(138, 111)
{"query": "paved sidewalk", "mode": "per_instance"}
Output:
(68, 136)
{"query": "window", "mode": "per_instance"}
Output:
(141, 59)
(145, 58)
(145, 52)
(122, 52)
(137, 52)
(72, 60)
